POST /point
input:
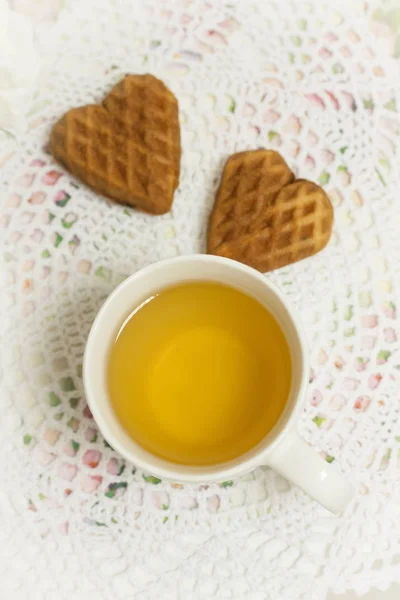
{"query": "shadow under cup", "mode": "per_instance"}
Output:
(132, 292)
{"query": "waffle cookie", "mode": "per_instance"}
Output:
(265, 218)
(127, 147)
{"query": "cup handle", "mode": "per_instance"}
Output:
(296, 461)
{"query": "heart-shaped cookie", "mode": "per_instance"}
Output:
(127, 147)
(265, 218)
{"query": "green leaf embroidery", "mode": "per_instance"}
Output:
(100, 524)
(318, 420)
(73, 402)
(384, 163)
(114, 520)
(75, 445)
(296, 40)
(324, 178)
(103, 273)
(27, 439)
(67, 384)
(272, 135)
(41, 496)
(46, 254)
(113, 487)
(165, 519)
(64, 201)
(59, 416)
(164, 506)
(384, 355)
(349, 332)
(380, 177)
(151, 479)
(58, 240)
(67, 224)
(226, 484)
(369, 104)
(121, 469)
(343, 149)
(232, 106)
(51, 216)
(54, 400)
(329, 458)
(73, 423)
(302, 24)
(391, 105)
(349, 313)
(337, 68)
(397, 47)
(342, 168)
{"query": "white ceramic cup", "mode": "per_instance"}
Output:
(281, 448)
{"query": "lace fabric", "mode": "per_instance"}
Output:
(320, 84)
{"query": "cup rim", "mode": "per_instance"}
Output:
(211, 472)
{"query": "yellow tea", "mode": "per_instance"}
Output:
(199, 373)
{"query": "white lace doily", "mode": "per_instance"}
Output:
(319, 82)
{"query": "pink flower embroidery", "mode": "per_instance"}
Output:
(327, 157)
(349, 100)
(292, 125)
(369, 321)
(112, 466)
(339, 362)
(26, 180)
(51, 177)
(346, 52)
(316, 100)
(324, 53)
(91, 434)
(87, 413)
(362, 403)
(67, 471)
(213, 503)
(316, 398)
(13, 201)
(271, 116)
(63, 528)
(214, 36)
(374, 381)
(37, 198)
(91, 458)
(337, 401)
(90, 483)
(390, 310)
(351, 384)
(331, 37)
(37, 163)
(160, 500)
(368, 341)
(45, 457)
(335, 101)
(293, 148)
(361, 363)
(229, 25)
(309, 163)
(390, 335)
(312, 139)
(51, 436)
